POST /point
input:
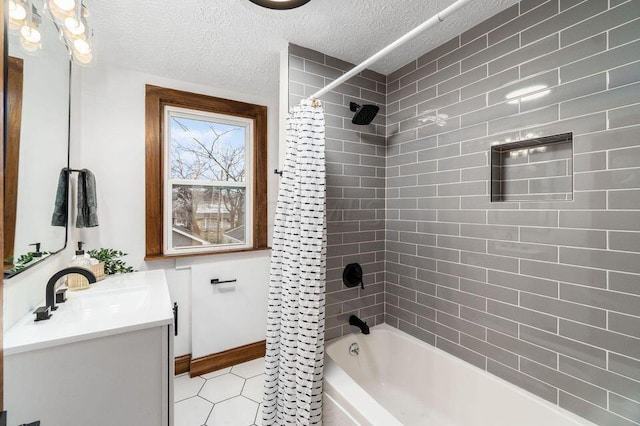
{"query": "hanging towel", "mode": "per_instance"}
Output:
(60, 212)
(87, 200)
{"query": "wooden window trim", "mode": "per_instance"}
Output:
(155, 101)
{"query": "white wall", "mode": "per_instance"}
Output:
(229, 315)
(112, 145)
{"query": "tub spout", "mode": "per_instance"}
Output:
(355, 321)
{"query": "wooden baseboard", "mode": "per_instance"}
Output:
(182, 364)
(213, 362)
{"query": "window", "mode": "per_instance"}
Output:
(205, 174)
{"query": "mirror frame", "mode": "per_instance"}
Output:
(10, 216)
(13, 120)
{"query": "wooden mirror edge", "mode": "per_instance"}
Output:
(15, 78)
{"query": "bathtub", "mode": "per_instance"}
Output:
(397, 380)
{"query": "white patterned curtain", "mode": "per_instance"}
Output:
(296, 311)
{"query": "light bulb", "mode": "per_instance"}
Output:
(58, 12)
(65, 4)
(82, 46)
(30, 34)
(17, 11)
(74, 26)
(28, 45)
(83, 59)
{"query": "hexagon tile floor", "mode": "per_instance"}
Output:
(228, 397)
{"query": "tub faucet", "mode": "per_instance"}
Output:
(44, 312)
(355, 321)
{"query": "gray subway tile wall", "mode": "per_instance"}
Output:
(544, 294)
(356, 160)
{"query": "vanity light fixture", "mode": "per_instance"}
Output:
(280, 4)
(83, 52)
(74, 26)
(78, 33)
(65, 4)
(61, 9)
(17, 14)
(30, 36)
(81, 46)
(69, 16)
(72, 16)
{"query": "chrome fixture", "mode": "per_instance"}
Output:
(354, 349)
(44, 312)
(357, 322)
(280, 4)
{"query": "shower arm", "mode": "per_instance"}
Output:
(440, 17)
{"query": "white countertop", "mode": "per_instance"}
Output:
(118, 304)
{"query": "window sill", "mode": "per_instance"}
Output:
(151, 258)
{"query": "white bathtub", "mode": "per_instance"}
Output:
(399, 380)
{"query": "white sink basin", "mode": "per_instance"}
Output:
(98, 304)
(118, 304)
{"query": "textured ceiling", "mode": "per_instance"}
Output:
(235, 44)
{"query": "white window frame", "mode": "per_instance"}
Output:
(248, 184)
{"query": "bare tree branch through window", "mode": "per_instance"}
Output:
(203, 151)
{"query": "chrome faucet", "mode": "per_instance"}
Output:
(44, 312)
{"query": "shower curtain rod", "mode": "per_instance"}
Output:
(384, 52)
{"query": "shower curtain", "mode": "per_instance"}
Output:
(296, 310)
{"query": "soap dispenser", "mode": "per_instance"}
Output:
(37, 253)
(77, 281)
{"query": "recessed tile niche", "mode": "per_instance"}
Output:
(538, 169)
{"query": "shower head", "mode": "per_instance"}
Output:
(363, 114)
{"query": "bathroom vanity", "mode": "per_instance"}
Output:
(104, 358)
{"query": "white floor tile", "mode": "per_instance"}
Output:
(216, 373)
(258, 421)
(185, 387)
(222, 387)
(254, 388)
(192, 412)
(238, 411)
(249, 369)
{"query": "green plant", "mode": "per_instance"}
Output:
(24, 260)
(112, 262)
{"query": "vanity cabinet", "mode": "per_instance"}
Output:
(116, 380)
(109, 375)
